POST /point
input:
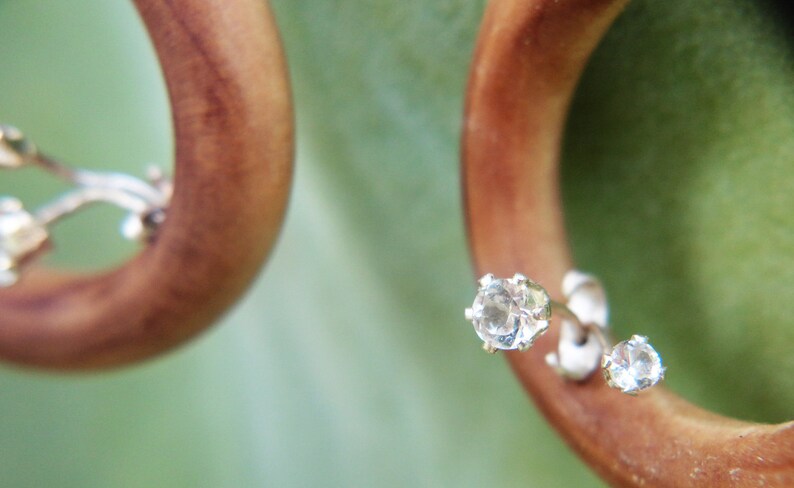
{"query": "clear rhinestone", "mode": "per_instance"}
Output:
(510, 313)
(633, 365)
(21, 236)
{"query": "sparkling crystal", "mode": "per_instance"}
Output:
(633, 365)
(20, 237)
(509, 313)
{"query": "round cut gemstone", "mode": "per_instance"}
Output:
(510, 313)
(633, 365)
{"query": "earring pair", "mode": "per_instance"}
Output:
(513, 313)
(507, 313)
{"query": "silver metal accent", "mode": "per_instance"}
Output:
(146, 201)
(486, 280)
(525, 346)
(584, 331)
(22, 239)
(469, 314)
(584, 343)
(76, 200)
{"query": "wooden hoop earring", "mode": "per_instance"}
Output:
(232, 114)
(529, 57)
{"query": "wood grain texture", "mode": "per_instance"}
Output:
(529, 57)
(232, 114)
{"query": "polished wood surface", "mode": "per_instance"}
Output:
(529, 57)
(232, 115)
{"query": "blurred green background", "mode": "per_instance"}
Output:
(349, 364)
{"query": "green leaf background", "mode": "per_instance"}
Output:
(348, 363)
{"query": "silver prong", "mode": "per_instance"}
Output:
(10, 204)
(489, 348)
(633, 392)
(541, 313)
(524, 346)
(469, 314)
(639, 339)
(158, 179)
(606, 361)
(154, 173)
(486, 279)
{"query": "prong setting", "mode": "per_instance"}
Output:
(632, 366)
(502, 312)
(22, 237)
(639, 339)
(486, 280)
(524, 346)
(512, 313)
(541, 313)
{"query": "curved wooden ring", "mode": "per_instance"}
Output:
(529, 57)
(232, 114)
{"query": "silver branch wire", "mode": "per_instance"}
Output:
(583, 329)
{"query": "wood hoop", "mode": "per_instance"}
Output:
(232, 114)
(529, 57)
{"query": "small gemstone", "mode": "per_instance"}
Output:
(20, 236)
(510, 313)
(633, 365)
